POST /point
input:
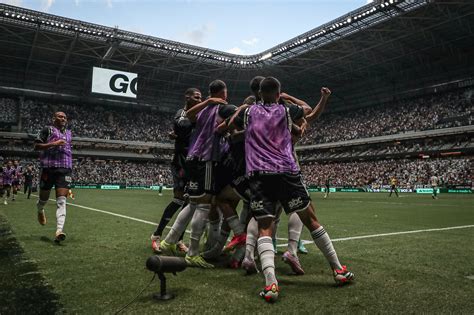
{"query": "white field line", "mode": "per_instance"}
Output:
(390, 234)
(284, 245)
(125, 216)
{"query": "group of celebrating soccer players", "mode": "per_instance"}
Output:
(224, 154)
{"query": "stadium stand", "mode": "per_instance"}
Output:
(410, 173)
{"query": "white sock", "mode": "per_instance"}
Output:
(235, 225)
(60, 212)
(294, 232)
(179, 226)
(252, 235)
(198, 223)
(323, 242)
(40, 204)
(267, 258)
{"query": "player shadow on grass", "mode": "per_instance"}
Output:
(46, 239)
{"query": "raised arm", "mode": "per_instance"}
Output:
(317, 111)
(192, 112)
(297, 101)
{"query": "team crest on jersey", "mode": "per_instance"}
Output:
(256, 205)
(295, 202)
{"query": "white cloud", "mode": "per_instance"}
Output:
(235, 50)
(46, 5)
(251, 42)
(13, 2)
(109, 4)
(198, 36)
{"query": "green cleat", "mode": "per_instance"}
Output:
(197, 261)
(301, 248)
(168, 249)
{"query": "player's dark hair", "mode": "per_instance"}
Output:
(255, 84)
(191, 91)
(216, 86)
(270, 85)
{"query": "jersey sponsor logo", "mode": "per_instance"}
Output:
(256, 205)
(295, 202)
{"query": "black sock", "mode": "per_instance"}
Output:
(168, 214)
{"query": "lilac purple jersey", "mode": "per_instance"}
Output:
(57, 156)
(205, 143)
(268, 143)
(8, 175)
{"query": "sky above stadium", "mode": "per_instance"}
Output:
(236, 26)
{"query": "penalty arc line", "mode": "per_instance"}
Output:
(284, 245)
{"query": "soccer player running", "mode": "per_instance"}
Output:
(434, 180)
(181, 133)
(54, 142)
(8, 174)
(28, 182)
(275, 178)
(393, 186)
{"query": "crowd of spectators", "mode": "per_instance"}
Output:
(409, 173)
(120, 172)
(8, 111)
(391, 149)
(134, 124)
(451, 109)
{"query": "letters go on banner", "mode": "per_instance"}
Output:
(113, 82)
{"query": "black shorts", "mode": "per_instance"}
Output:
(240, 181)
(394, 187)
(267, 190)
(57, 177)
(224, 171)
(180, 178)
(201, 178)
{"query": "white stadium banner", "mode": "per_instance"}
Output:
(113, 82)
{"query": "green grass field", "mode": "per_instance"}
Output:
(101, 265)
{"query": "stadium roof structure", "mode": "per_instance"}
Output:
(366, 56)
